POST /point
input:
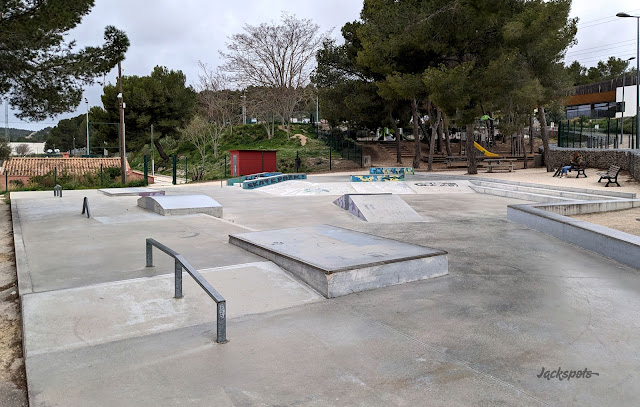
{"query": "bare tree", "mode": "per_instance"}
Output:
(23, 149)
(260, 105)
(218, 103)
(197, 132)
(277, 56)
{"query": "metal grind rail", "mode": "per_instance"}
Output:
(180, 264)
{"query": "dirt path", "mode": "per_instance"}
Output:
(626, 221)
(13, 385)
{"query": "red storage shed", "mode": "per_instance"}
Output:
(245, 162)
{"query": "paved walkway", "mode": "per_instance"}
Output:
(515, 301)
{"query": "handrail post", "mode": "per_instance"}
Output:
(149, 252)
(221, 322)
(178, 283)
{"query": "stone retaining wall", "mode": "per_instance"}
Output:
(599, 158)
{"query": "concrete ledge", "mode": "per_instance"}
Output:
(336, 261)
(263, 181)
(526, 196)
(25, 285)
(131, 192)
(240, 180)
(181, 205)
(609, 193)
(391, 170)
(611, 243)
(377, 178)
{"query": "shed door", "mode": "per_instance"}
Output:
(235, 165)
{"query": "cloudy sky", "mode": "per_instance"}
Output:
(178, 34)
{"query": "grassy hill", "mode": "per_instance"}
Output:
(314, 155)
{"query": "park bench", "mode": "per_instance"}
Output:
(450, 160)
(579, 168)
(611, 175)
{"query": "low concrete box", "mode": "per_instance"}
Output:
(131, 192)
(337, 261)
(181, 205)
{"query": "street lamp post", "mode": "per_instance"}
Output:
(87, 102)
(123, 151)
(624, 77)
(637, 72)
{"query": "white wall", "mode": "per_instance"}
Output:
(630, 100)
(34, 148)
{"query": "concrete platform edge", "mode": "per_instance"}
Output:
(619, 246)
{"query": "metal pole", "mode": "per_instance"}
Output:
(123, 151)
(149, 251)
(221, 320)
(186, 170)
(178, 283)
(101, 176)
(225, 166)
(88, 149)
(175, 164)
(55, 176)
(637, 80)
(146, 169)
(153, 166)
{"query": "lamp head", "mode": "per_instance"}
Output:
(623, 15)
(631, 59)
(119, 96)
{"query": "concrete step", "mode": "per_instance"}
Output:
(577, 196)
(526, 196)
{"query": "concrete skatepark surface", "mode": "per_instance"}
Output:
(514, 301)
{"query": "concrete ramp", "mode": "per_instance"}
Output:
(378, 208)
(181, 205)
(338, 261)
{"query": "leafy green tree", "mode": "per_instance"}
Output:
(161, 99)
(604, 70)
(67, 133)
(40, 71)
(398, 43)
(5, 150)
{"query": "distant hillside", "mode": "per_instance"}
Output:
(31, 136)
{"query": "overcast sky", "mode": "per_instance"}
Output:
(178, 34)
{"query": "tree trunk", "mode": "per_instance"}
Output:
(545, 137)
(531, 134)
(447, 140)
(398, 138)
(471, 151)
(434, 134)
(163, 155)
(416, 133)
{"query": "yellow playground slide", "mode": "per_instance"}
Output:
(484, 150)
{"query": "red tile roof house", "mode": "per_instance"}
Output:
(23, 168)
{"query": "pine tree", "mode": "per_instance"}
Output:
(40, 72)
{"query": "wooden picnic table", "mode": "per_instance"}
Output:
(506, 163)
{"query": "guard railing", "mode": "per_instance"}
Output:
(182, 264)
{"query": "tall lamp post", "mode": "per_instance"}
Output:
(624, 77)
(87, 102)
(123, 151)
(637, 72)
